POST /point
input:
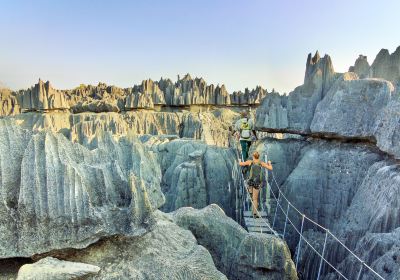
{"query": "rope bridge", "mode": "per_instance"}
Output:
(264, 226)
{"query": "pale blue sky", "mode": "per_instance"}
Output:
(238, 43)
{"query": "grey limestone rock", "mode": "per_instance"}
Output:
(361, 67)
(273, 112)
(350, 190)
(83, 128)
(387, 128)
(295, 112)
(381, 188)
(323, 183)
(387, 66)
(57, 194)
(149, 94)
(237, 253)
(166, 252)
(53, 269)
(351, 106)
(196, 175)
(9, 104)
(96, 106)
(42, 97)
(380, 251)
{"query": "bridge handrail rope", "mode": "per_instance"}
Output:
(327, 232)
(250, 198)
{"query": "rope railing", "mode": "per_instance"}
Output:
(300, 232)
(302, 238)
(245, 190)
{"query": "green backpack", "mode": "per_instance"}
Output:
(256, 173)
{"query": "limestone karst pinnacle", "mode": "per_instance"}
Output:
(149, 94)
(385, 66)
(92, 162)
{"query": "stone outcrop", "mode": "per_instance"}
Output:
(42, 97)
(361, 67)
(237, 253)
(166, 252)
(295, 111)
(387, 128)
(155, 95)
(351, 106)
(57, 194)
(385, 66)
(325, 180)
(212, 127)
(9, 104)
(342, 106)
(372, 229)
(350, 189)
(273, 112)
(53, 269)
(195, 174)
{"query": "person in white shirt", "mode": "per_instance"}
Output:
(245, 127)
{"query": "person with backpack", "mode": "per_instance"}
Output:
(255, 178)
(245, 127)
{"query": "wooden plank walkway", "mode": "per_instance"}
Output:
(260, 225)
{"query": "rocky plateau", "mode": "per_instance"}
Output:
(104, 182)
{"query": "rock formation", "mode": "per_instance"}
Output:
(367, 107)
(212, 127)
(53, 269)
(197, 175)
(166, 252)
(385, 66)
(361, 67)
(237, 253)
(295, 111)
(9, 103)
(360, 101)
(58, 194)
(148, 95)
(342, 171)
(42, 97)
(86, 168)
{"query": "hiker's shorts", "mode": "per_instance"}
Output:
(253, 184)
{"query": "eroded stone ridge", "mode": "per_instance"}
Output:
(338, 105)
(57, 194)
(237, 253)
(195, 174)
(148, 95)
(385, 66)
(351, 189)
(295, 111)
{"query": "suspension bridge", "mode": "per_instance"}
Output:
(284, 206)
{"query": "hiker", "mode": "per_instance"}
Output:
(255, 178)
(245, 126)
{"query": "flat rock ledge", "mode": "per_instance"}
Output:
(51, 268)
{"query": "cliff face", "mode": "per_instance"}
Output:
(197, 175)
(385, 66)
(148, 95)
(71, 177)
(42, 97)
(345, 107)
(96, 161)
(342, 171)
(237, 253)
(295, 111)
(58, 194)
